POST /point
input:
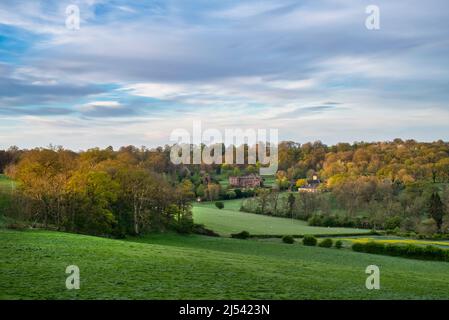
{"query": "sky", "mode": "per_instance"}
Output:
(137, 70)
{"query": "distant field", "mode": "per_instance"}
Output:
(168, 266)
(231, 220)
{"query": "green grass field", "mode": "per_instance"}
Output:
(171, 266)
(231, 220)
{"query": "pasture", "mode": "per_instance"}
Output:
(169, 266)
(230, 220)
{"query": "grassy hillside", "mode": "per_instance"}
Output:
(33, 263)
(231, 220)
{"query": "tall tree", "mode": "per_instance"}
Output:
(436, 209)
(291, 203)
(136, 188)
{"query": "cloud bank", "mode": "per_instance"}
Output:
(136, 70)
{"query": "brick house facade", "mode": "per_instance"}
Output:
(249, 181)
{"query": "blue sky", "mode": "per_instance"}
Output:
(136, 70)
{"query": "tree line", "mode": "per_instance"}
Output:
(399, 161)
(363, 202)
(132, 189)
(100, 192)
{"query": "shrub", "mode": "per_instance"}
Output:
(374, 247)
(185, 225)
(247, 193)
(358, 247)
(337, 221)
(326, 243)
(241, 235)
(427, 227)
(329, 221)
(408, 251)
(338, 244)
(201, 229)
(393, 223)
(16, 226)
(315, 220)
(231, 194)
(119, 232)
(238, 193)
(288, 239)
(309, 241)
(219, 204)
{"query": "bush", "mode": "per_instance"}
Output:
(309, 241)
(119, 232)
(315, 220)
(231, 194)
(338, 221)
(219, 204)
(241, 235)
(427, 227)
(238, 193)
(184, 226)
(358, 247)
(338, 244)
(288, 239)
(393, 223)
(326, 243)
(374, 247)
(201, 229)
(408, 251)
(16, 226)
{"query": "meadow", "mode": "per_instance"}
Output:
(170, 266)
(230, 220)
(173, 266)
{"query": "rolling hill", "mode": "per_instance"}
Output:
(169, 266)
(230, 220)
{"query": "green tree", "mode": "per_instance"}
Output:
(213, 191)
(291, 204)
(263, 196)
(95, 193)
(137, 186)
(200, 191)
(301, 183)
(436, 209)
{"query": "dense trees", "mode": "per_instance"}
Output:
(403, 161)
(98, 192)
(133, 190)
(8, 157)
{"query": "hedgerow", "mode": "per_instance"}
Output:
(407, 251)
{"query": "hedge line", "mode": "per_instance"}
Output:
(407, 251)
(329, 235)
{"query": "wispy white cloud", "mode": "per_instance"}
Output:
(251, 63)
(94, 105)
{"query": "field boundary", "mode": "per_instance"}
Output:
(330, 235)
